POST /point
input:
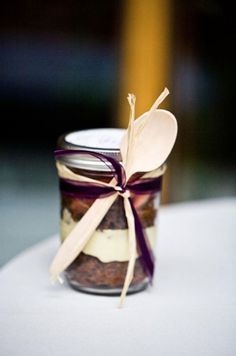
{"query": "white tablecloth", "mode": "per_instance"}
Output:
(189, 311)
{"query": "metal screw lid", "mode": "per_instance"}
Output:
(105, 141)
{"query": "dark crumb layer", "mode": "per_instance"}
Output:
(89, 271)
(115, 217)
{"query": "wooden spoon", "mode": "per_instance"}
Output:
(145, 147)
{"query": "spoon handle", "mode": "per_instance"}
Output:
(79, 236)
(159, 100)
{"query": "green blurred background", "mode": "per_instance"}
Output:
(68, 65)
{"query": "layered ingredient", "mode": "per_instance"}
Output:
(103, 263)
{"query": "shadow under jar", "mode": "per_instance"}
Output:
(102, 265)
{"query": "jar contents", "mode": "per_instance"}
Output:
(102, 266)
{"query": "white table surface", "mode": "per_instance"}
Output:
(189, 311)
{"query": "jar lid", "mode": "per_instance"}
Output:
(106, 141)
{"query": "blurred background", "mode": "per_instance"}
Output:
(68, 65)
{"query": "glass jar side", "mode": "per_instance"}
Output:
(101, 267)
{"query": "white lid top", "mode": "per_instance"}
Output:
(108, 139)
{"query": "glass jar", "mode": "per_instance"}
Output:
(101, 267)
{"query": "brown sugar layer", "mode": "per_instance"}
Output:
(115, 218)
(90, 272)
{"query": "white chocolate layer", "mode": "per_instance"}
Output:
(107, 245)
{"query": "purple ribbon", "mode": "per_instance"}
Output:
(77, 189)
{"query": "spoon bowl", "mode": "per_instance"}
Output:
(154, 135)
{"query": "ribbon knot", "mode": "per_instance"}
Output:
(123, 191)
